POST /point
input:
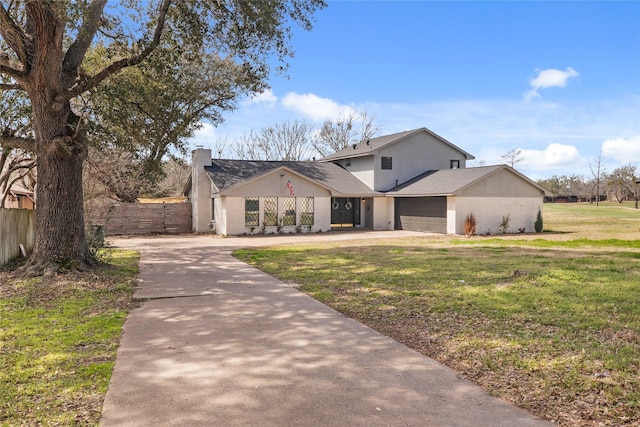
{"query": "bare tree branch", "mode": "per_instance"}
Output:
(11, 68)
(10, 86)
(597, 171)
(114, 67)
(513, 157)
(13, 167)
(10, 141)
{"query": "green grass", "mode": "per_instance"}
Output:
(610, 220)
(58, 342)
(552, 325)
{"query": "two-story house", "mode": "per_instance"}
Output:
(413, 180)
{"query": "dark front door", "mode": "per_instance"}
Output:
(345, 212)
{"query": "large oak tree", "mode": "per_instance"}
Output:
(43, 47)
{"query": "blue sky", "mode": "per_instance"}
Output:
(558, 80)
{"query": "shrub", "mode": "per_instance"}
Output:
(94, 235)
(504, 224)
(470, 225)
(538, 224)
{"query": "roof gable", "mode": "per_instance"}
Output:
(371, 146)
(448, 182)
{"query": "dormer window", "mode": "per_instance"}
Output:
(386, 163)
(454, 164)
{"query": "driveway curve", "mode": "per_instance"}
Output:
(216, 342)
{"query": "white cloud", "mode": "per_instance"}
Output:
(624, 150)
(549, 78)
(555, 156)
(313, 106)
(266, 98)
(204, 135)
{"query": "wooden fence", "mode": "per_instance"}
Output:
(17, 227)
(144, 218)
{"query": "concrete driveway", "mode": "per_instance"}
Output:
(219, 343)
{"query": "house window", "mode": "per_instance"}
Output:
(306, 210)
(289, 208)
(251, 211)
(270, 211)
(454, 164)
(386, 163)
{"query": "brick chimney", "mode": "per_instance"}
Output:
(200, 190)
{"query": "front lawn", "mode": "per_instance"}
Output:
(610, 220)
(58, 341)
(553, 327)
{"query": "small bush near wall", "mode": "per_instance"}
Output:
(470, 225)
(504, 224)
(539, 223)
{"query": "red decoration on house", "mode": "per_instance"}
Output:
(290, 187)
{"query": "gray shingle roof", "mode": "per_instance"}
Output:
(443, 182)
(370, 146)
(226, 174)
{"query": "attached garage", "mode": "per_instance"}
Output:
(427, 214)
(438, 201)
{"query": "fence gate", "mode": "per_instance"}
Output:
(146, 218)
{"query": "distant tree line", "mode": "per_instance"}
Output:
(619, 185)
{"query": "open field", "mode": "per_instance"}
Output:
(550, 322)
(610, 220)
(58, 341)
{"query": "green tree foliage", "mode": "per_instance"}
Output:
(151, 110)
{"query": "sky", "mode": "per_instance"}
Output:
(558, 80)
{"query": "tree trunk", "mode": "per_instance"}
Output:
(59, 234)
(60, 240)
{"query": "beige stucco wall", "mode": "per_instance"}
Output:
(411, 157)
(383, 213)
(361, 168)
(231, 221)
(220, 222)
(503, 183)
(233, 224)
(502, 193)
(322, 219)
(274, 184)
(489, 212)
(234, 220)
